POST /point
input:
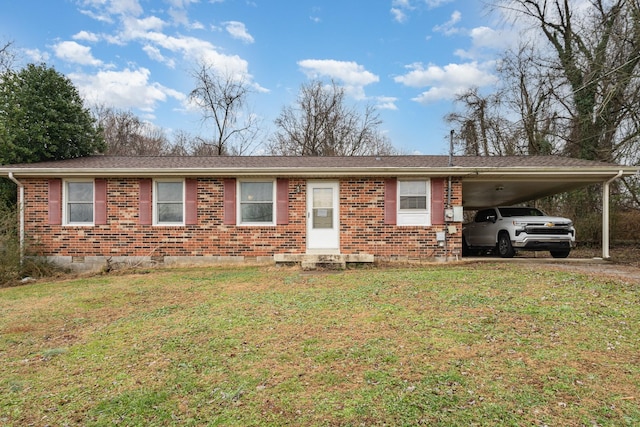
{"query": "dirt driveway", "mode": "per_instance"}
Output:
(624, 263)
(624, 272)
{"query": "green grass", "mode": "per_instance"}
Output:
(441, 345)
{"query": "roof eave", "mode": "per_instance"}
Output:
(479, 173)
(225, 172)
(604, 172)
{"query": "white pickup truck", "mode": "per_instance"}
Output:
(506, 230)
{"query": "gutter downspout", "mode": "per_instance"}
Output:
(605, 215)
(21, 212)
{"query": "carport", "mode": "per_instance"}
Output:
(503, 181)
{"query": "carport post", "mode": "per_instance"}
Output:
(605, 215)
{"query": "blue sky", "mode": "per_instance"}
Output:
(407, 57)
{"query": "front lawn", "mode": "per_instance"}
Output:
(438, 345)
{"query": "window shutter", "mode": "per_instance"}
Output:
(229, 201)
(282, 197)
(100, 204)
(55, 201)
(191, 198)
(146, 206)
(390, 201)
(437, 201)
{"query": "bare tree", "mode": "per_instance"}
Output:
(223, 100)
(321, 124)
(7, 57)
(126, 135)
(597, 51)
(481, 129)
(181, 145)
(529, 93)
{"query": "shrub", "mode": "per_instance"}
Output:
(624, 227)
(12, 268)
(9, 245)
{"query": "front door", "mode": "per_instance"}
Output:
(323, 229)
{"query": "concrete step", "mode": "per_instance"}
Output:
(323, 265)
(323, 261)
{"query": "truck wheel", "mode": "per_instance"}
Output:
(465, 247)
(505, 250)
(560, 254)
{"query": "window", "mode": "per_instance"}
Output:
(256, 202)
(483, 216)
(78, 196)
(169, 203)
(413, 197)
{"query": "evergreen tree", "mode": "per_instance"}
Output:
(42, 117)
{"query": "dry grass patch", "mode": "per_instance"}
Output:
(435, 345)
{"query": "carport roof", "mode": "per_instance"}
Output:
(486, 180)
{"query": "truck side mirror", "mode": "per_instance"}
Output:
(491, 218)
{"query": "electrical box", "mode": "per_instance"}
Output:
(440, 236)
(454, 214)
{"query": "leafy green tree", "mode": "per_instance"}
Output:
(42, 117)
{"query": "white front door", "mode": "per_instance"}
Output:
(323, 228)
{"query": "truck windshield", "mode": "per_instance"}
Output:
(507, 212)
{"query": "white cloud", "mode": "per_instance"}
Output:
(123, 89)
(181, 4)
(122, 7)
(445, 82)
(315, 15)
(398, 15)
(196, 25)
(149, 31)
(449, 27)
(86, 36)
(134, 28)
(353, 76)
(237, 30)
(155, 54)
(197, 50)
(134, 87)
(486, 41)
(169, 49)
(98, 16)
(485, 37)
(125, 7)
(348, 72)
(386, 103)
(103, 10)
(76, 53)
(400, 9)
(36, 55)
(432, 4)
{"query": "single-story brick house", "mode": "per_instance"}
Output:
(90, 211)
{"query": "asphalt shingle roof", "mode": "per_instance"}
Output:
(308, 162)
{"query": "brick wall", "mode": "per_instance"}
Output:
(362, 228)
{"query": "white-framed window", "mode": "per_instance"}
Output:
(257, 202)
(168, 202)
(78, 202)
(413, 202)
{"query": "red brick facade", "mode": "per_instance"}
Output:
(362, 225)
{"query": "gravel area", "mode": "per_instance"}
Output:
(624, 263)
